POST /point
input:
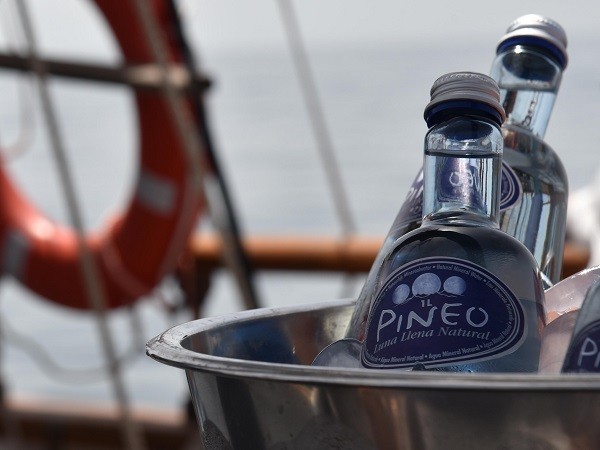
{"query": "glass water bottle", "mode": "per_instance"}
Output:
(528, 67)
(458, 294)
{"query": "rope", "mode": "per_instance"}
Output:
(132, 434)
(319, 126)
(60, 373)
(26, 116)
(161, 299)
(204, 181)
(317, 118)
(228, 218)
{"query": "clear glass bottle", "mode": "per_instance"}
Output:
(528, 67)
(458, 294)
(534, 190)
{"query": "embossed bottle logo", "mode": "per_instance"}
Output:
(442, 311)
(511, 192)
(460, 179)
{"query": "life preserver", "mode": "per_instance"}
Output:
(142, 244)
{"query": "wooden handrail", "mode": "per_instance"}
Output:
(324, 254)
(295, 253)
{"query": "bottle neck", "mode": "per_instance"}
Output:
(462, 169)
(529, 80)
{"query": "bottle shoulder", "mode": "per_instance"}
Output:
(488, 247)
(527, 145)
(525, 152)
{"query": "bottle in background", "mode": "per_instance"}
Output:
(583, 353)
(458, 294)
(528, 67)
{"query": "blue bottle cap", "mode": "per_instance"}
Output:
(537, 31)
(464, 93)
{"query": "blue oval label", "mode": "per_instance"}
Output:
(584, 352)
(442, 311)
(510, 188)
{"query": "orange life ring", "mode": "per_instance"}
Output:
(143, 243)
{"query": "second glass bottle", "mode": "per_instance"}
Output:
(528, 68)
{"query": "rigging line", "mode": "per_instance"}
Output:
(195, 150)
(13, 431)
(229, 215)
(319, 126)
(316, 116)
(54, 369)
(26, 116)
(93, 285)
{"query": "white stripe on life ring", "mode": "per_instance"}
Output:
(156, 193)
(14, 253)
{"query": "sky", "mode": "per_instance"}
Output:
(228, 25)
(70, 28)
(232, 24)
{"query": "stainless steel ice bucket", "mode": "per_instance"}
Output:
(253, 388)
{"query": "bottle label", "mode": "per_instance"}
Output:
(584, 352)
(442, 311)
(510, 188)
(411, 211)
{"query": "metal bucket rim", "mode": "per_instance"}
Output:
(167, 348)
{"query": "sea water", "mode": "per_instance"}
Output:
(372, 100)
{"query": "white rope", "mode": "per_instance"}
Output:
(94, 289)
(316, 116)
(70, 375)
(23, 140)
(319, 127)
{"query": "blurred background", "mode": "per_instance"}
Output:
(373, 64)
